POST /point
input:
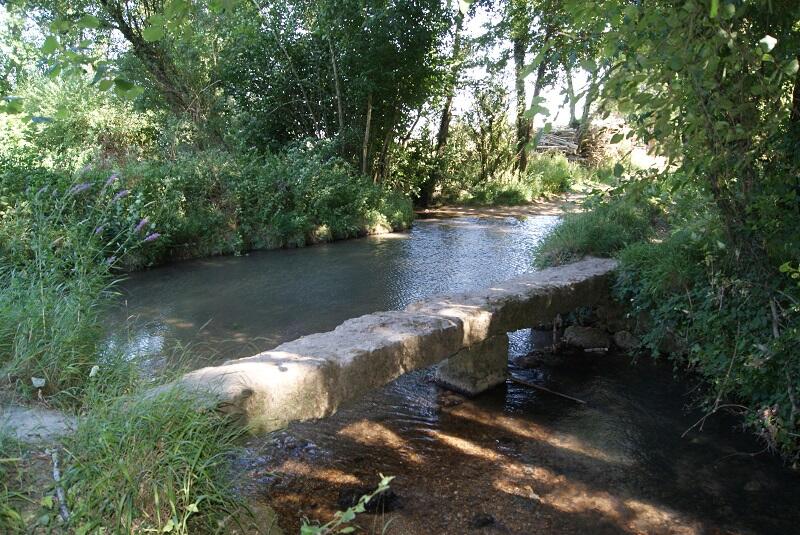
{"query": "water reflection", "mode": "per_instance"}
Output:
(236, 306)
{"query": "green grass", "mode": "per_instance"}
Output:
(11, 451)
(603, 231)
(547, 174)
(156, 462)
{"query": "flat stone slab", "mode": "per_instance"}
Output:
(523, 301)
(34, 424)
(312, 376)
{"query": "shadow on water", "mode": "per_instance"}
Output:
(516, 460)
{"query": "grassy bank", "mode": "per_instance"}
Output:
(735, 324)
(135, 463)
(547, 174)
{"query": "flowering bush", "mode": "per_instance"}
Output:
(60, 244)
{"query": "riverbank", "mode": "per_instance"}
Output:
(556, 205)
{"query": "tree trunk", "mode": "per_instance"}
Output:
(429, 186)
(383, 159)
(365, 145)
(573, 119)
(586, 115)
(447, 111)
(336, 87)
(523, 130)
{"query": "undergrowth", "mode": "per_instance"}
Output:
(736, 324)
(154, 463)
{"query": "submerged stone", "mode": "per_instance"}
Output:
(586, 337)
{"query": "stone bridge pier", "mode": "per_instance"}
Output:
(464, 333)
(476, 368)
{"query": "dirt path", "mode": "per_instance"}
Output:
(555, 206)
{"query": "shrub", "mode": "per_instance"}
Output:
(59, 244)
(75, 125)
(603, 231)
(212, 202)
(736, 328)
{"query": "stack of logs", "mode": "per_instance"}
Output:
(564, 140)
(591, 149)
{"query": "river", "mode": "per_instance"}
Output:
(513, 460)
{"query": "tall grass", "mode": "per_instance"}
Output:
(11, 520)
(56, 276)
(603, 231)
(547, 174)
(151, 463)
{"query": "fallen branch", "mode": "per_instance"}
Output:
(543, 389)
(705, 417)
(62, 498)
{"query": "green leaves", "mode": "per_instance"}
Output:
(790, 67)
(152, 34)
(50, 45)
(714, 9)
(89, 22)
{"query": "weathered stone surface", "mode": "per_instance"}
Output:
(477, 368)
(311, 376)
(625, 340)
(525, 300)
(586, 337)
(35, 424)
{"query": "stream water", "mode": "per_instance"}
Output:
(513, 460)
(230, 307)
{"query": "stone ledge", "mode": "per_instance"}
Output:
(312, 376)
(521, 302)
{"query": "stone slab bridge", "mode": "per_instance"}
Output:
(464, 333)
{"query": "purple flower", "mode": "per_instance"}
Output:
(141, 225)
(111, 259)
(121, 194)
(99, 229)
(113, 178)
(153, 236)
(41, 190)
(79, 188)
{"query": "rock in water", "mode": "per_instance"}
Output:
(586, 337)
(625, 340)
(384, 502)
(481, 520)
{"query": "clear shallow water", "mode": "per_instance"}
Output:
(230, 307)
(517, 460)
(528, 461)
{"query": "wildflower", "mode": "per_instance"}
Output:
(113, 178)
(122, 193)
(153, 236)
(141, 225)
(41, 190)
(95, 369)
(99, 229)
(79, 188)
